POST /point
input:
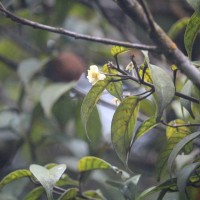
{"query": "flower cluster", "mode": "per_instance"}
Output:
(94, 74)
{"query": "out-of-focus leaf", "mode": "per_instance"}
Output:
(195, 4)
(69, 194)
(35, 194)
(94, 194)
(91, 99)
(114, 88)
(191, 32)
(145, 127)
(91, 163)
(183, 178)
(15, 176)
(118, 50)
(122, 127)
(196, 63)
(187, 90)
(66, 180)
(177, 27)
(27, 69)
(179, 147)
(52, 93)
(164, 88)
(174, 136)
(167, 185)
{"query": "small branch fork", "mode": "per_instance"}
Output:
(74, 35)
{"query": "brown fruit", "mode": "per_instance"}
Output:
(65, 67)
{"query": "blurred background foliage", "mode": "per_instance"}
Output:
(40, 112)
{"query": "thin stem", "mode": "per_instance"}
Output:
(72, 34)
(180, 125)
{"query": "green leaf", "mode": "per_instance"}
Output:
(114, 88)
(69, 194)
(145, 127)
(179, 147)
(118, 50)
(187, 90)
(91, 99)
(183, 178)
(174, 136)
(35, 194)
(178, 27)
(195, 4)
(164, 88)
(94, 194)
(122, 127)
(91, 163)
(15, 176)
(191, 32)
(52, 93)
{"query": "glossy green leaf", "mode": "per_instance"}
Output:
(178, 27)
(179, 147)
(191, 32)
(145, 127)
(91, 99)
(115, 50)
(114, 88)
(183, 178)
(52, 93)
(187, 90)
(69, 194)
(174, 136)
(164, 88)
(15, 176)
(122, 127)
(91, 163)
(35, 194)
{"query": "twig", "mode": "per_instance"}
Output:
(180, 125)
(72, 34)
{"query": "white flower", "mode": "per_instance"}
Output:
(116, 101)
(129, 67)
(94, 74)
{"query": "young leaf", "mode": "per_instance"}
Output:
(114, 88)
(174, 135)
(145, 127)
(178, 27)
(122, 127)
(191, 32)
(48, 177)
(91, 163)
(164, 88)
(69, 194)
(118, 50)
(187, 90)
(91, 99)
(179, 147)
(52, 93)
(15, 176)
(35, 194)
(184, 176)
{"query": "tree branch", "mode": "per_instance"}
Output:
(73, 34)
(135, 11)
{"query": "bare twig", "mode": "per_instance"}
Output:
(73, 34)
(180, 125)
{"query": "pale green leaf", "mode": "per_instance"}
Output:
(69, 194)
(91, 163)
(122, 127)
(174, 136)
(52, 93)
(15, 176)
(114, 88)
(183, 178)
(187, 90)
(178, 27)
(179, 147)
(164, 88)
(91, 99)
(195, 4)
(115, 50)
(35, 194)
(191, 32)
